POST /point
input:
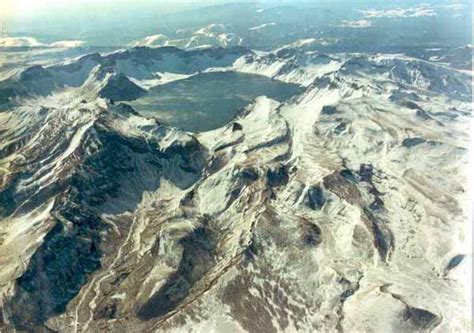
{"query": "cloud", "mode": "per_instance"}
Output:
(356, 24)
(33, 42)
(419, 11)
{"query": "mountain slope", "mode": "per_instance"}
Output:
(330, 211)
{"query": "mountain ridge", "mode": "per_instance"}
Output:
(317, 203)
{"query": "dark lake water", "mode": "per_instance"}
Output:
(209, 100)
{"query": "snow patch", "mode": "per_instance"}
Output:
(262, 26)
(418, 11)
(33, 42)
(356, 24)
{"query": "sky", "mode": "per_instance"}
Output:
(31, 8)
(18, 13)
(73, 17)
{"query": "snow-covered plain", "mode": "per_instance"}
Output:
(341, 209)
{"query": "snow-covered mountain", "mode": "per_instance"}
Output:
(343, 208)
(212, 35)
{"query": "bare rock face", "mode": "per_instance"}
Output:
(120, 88)
(282, 220)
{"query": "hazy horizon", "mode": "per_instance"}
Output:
(120, 23)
